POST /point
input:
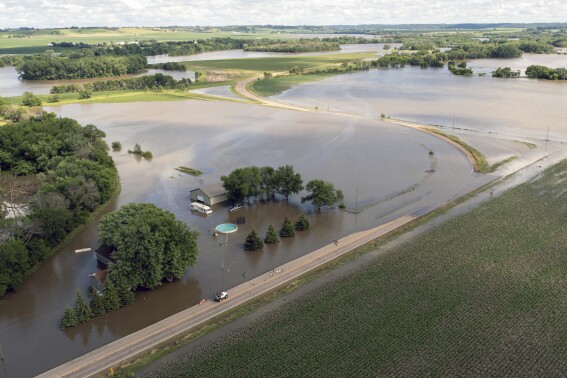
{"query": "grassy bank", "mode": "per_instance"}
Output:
(275, 64)
(481, 295)
(275, 86)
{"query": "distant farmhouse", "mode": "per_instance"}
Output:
(209, 195)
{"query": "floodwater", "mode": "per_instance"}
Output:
(11, 85)
(382, 167)
(385, 167)
(220, 91)
(510, 108)
(241, 54)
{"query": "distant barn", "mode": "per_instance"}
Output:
(209, 195)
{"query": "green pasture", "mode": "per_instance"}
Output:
(276, 85)
(276, 64)
(484, 294)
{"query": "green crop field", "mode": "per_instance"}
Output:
(38, 40)
(484, 294)
(276, 63)
(275, 86)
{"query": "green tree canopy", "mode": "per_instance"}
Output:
(322, 193)
(69, 318)
(151, 245)
(287, 181)
(82, 309)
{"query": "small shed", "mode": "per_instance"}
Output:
(209, 195)
(104, 254)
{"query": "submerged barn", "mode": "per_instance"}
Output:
(209, 195)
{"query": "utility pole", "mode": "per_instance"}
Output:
(356, 201)
(453, 131)
(547, 137)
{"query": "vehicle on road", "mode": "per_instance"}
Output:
(219, 296)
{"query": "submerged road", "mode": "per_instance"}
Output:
(127, 347)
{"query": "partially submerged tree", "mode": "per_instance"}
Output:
(151, 245)
(287, 181)
(253, 241)
(288, 229)
(69, 318)
(97, 302)
(82, 308)
(111, 300)
(322, 193)
(271, 236)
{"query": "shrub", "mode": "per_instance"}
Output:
(302, 223)
(116, 146)
(53, 98)
(29, 99)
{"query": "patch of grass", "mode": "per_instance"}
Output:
(497, 165)
(483, 294)
(275, 86)
(189, 171)
(529, 145)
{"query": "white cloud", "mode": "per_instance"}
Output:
(52, 13)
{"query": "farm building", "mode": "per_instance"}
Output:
(209, 195)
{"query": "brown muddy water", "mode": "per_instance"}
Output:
(508, 108)
(388, 166)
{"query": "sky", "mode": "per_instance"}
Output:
(65, 13)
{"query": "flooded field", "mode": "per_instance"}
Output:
(511, 108)
(10, 85)
(388, 166)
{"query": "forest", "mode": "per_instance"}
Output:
(55, 173)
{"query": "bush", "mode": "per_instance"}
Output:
(302, 223)
(147, 155)
(29, 99)
(116, 146)
(84, 94)
(53, 98)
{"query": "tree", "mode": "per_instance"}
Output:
(53, 98)
(116, 146)
(268, 181)
(97, 302)
(271, 236)
(111, 300)
(253, 241)
(322, 193)
(125, 294)
(287, 182)
(69, 318)
(29, 99)
(242, 183)
(151, 245)
(302, 223)
(82, 309)
(288, 229)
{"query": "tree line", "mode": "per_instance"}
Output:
(254, 243)
(71, 175)
(245, 183)
(58, 68)
(296, 46)
(147, 82)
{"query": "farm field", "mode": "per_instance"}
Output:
(276, 63)
(481, 295)
(39, 39)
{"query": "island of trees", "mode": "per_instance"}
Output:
(55, 173)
